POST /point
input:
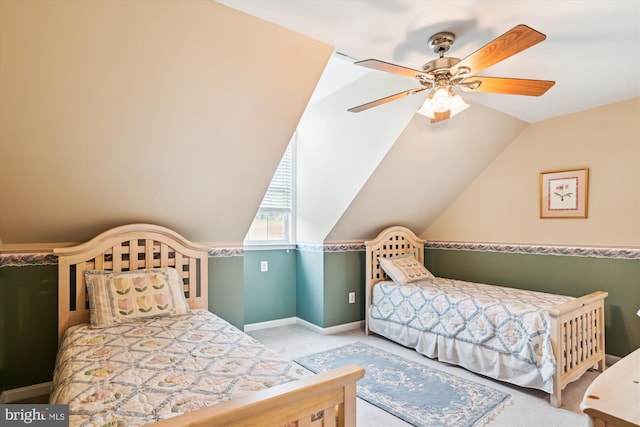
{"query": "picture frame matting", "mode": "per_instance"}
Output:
(564, 193)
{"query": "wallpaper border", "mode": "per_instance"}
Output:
(47, 258)
(575, 251)
(225, 252)
(22, 259)
(332, 247)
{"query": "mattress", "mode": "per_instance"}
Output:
(496, 331)
(138, 373)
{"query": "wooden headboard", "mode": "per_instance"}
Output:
(126, 248)
(392, 241)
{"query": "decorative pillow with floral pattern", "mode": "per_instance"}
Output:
(404, 269)
(122, 297)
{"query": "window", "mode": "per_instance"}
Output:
(273, 222)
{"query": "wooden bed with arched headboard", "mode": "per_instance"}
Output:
(574, 326)
(98, 371)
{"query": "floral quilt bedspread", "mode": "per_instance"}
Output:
(142, 372)
(509, 321)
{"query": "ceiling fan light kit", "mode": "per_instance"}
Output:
(442, 74)
(442, 100)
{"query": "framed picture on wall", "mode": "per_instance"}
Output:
(564, 194)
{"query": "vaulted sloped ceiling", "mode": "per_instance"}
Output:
(360, 172)
(339, 150)
(169, 112)
(425, 170)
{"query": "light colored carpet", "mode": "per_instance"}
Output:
(529, 408)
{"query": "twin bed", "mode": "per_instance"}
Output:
(530, 339)
(138, 346)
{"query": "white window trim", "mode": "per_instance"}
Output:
(282, 243)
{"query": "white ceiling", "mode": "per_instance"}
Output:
(592, 49)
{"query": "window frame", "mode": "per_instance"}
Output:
(288, 241)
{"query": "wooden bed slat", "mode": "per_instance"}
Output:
(148, 250)
(81, 294)
(164, 255)
(193, 289)
(133, 255)
(179, 263)
(117, 258)
(99, 262)
(330, 416)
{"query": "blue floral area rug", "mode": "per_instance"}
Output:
(417, 394)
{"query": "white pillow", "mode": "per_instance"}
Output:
(404, 269)
(126, 296)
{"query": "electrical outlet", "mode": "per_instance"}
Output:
(352, 297)
(264, 266)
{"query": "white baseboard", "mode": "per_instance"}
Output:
(27, 392)
(297, 321)
(270, 324)
(332, 329)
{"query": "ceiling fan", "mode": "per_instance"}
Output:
(443, 74)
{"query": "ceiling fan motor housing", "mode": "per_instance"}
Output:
(439, 65)
(440, 68)
(441, 42)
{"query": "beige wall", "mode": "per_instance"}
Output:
(502, 204)
(172, 112)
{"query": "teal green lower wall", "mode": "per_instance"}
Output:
(269, 295)
(310, 286)
(29, 312)
(226, 289)
(344, 272)
(323, 283)
(566, 275)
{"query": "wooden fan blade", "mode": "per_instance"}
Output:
(389, 68)
(509, 86)
(441, 116)
(385, 100)
(513, 41)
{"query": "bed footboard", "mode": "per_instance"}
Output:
(291, 404)
(577, 337)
